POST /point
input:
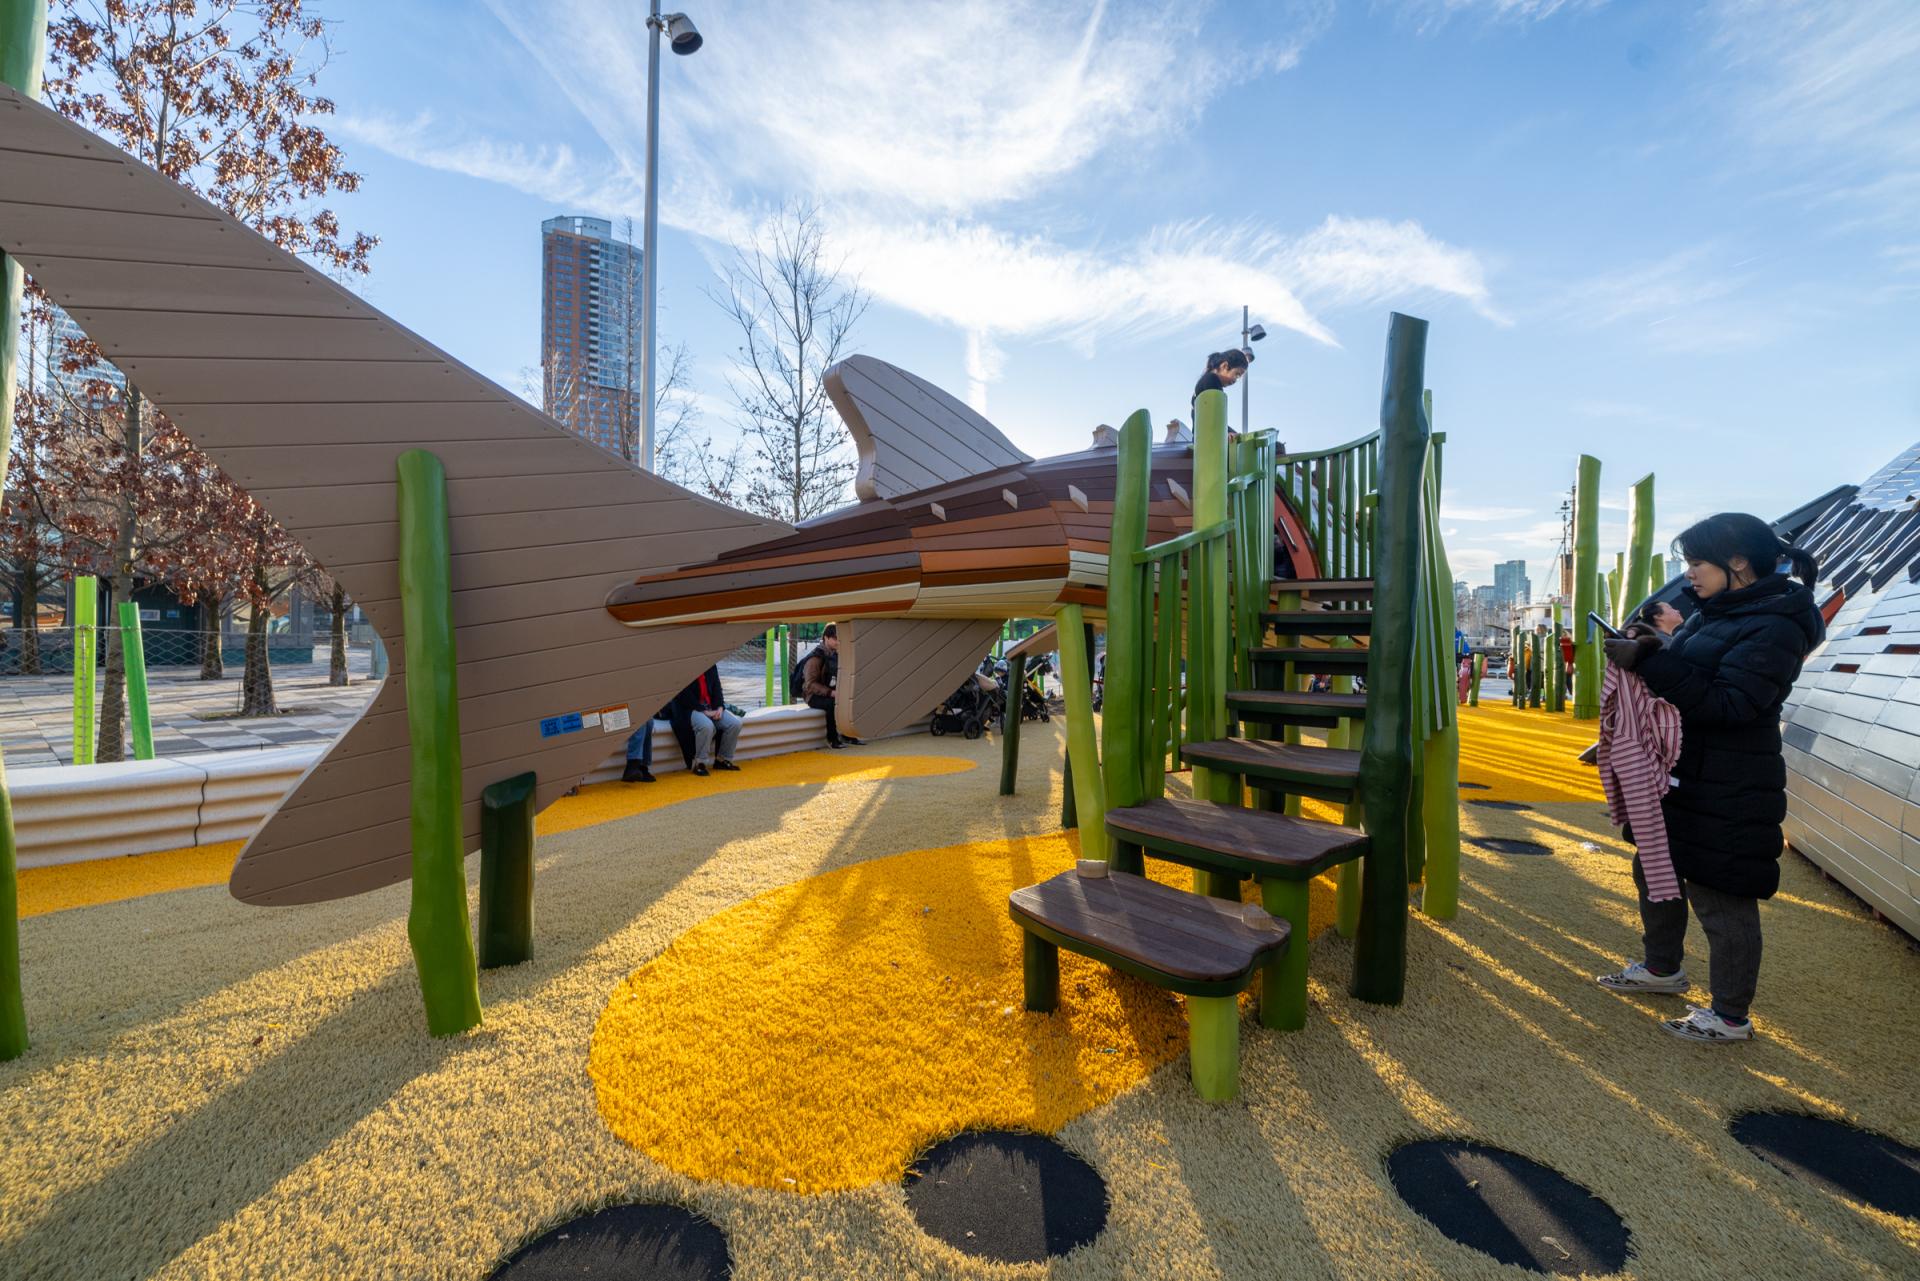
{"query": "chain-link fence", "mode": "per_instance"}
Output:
(48, 651)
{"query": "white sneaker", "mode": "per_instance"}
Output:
(1638, 978)
(1702, 1024)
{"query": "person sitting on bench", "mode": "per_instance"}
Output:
(716, 731)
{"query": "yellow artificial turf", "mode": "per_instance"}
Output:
(221, 1091)
(1526, 755)
(820, 1034)
(111, 880)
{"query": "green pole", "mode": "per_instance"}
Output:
(23, 42)
(1558, 667)
(134, 655)
(767, 699)
(1010, 723)
(1346, 736)
(1536, 688)
(1633, 576)
(1387, 746)
(506, 872)
(1207, 600)
(1124, 711)
(83, 611)
(1479, 672)
(1586, 579)
(1616, 587)
(1076, 673)
(437, 924)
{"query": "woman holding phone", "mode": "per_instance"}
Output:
(1727, 670)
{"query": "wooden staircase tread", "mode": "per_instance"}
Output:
(1270, 758)
(1324, 586)
(1320, 622)
(1189, 937)
(1307, 703)
(1354, 657)
(1255, 838)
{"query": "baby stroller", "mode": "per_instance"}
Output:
(968, 710)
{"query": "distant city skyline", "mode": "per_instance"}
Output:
(589, 311)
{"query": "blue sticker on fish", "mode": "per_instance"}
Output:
(554, 726)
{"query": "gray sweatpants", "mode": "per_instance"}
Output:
(1732, 923)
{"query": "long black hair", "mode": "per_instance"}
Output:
(1721, 537)
(1232, 357)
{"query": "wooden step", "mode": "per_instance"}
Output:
(1249, 842)
(1300, 708)
(1320, 622)
(1337, 662)
(1327, 588)
(1185, 942)
(1330, 773)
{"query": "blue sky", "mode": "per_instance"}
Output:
(1683, 237)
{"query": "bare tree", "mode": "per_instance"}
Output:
(795, 310)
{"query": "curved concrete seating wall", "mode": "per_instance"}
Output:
(69, 813)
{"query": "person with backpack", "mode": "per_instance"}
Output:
(814, 680)
(1727, 670)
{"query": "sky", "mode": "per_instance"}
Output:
(1684, 238)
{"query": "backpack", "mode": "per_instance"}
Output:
(797, 679)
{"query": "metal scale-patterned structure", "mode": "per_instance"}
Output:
(1852, 724)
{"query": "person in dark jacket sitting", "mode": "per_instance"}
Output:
(1727, 670)
(716, 731)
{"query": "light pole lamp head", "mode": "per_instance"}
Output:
(1256, 333)
(682, 36)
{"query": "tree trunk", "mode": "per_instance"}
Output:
(213, 664)
(256, 681)
(28, 623)
(337, 667)
(113, 700)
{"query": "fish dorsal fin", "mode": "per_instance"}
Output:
(911, 435)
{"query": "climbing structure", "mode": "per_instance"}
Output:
(1200, 637)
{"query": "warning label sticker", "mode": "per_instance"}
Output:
(617, 719)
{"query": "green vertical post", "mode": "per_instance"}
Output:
(1536, 688)
(83, 614)
(1387, 746)
(1479, 674)
(437, 924)
(1010, 724)
(1559, 668)
(1616, 587)
(1633, 578)
(1656, 573)
(1207, 601)
(1283, 980)
(506, 872)
(1586, 578)
(766, 699)
(1124, 715)
(134, 656)
(23, 41)
(1076, 673)
(1213, 1045)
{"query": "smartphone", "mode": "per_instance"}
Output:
(1595, 621)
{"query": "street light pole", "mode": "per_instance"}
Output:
(1246, 345)
(647, 277)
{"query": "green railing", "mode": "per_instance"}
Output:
(1333, 492)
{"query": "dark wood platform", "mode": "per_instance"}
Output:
(1320, 622)
(1187, 943)
(1274, 761)
(1251, 842)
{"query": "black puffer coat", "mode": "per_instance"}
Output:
(1728, 670)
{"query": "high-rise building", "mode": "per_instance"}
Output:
(1510, 582)
(1675, 567)
(80, 388)
(589, 331)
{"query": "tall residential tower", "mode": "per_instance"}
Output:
(590, 331)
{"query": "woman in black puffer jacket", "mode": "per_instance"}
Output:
(1727, 670)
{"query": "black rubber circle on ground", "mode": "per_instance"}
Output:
(631, 1242)
(1504, 1205)
(1476, 787)
(1839, 1158)
(1018, 1198)
(1501, 805)
(1507, 845)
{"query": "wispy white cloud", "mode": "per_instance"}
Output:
(1834, 88)
(1430, 14)
(928, 135)
(1697, 300)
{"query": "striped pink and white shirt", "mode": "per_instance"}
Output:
(1639, 743)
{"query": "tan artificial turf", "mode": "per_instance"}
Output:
(223, 1091)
